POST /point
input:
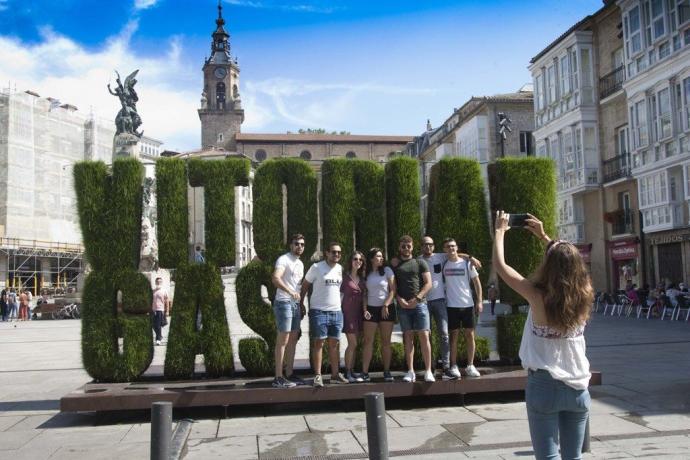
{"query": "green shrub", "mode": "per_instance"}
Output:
(352, 197)
(102, 325)
(300, 181)
(509, 335)
(524, 185)
(171, 199)
(457, 208)
(219, 178)
(198, 285)
(256, 354)
(402, 201)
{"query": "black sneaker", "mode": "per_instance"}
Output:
(365, 377)
(281, 382)
(387, 376)
(448, 375)
(296, 379)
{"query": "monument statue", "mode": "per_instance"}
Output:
(127, 120)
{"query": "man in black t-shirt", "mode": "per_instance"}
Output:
(413, 281)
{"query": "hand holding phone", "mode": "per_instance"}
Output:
(518, 220)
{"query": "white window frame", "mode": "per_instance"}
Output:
(657, 20)
(564, 63)
(630, 35)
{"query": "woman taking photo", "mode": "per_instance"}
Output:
(352, 290)
(560, 296)
(379, 313)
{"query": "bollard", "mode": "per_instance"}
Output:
(161, 430)
(376, 426)
(585, 441)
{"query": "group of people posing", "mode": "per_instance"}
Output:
(15, 305)
(361, 298)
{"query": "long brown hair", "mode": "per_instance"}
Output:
(566, 285)
(361, 270)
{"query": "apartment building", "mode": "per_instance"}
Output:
(656, 35)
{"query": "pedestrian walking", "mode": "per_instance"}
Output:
(160, 308)
(13, 306)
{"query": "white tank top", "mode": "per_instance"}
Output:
(562, 355)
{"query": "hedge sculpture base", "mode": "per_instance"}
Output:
(237, 391)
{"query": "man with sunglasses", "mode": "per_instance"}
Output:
(287, 279)
(325, 313)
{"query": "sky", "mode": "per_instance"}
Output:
(367, 67)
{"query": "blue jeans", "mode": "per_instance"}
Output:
(288, 315)
(439, 311)
(554, 411)
(324, 324)
(414, 319)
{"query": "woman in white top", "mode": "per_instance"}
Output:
(379, 313)
(553, 345)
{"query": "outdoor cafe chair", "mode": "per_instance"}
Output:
(625, 305)
(668, 307)
(644, 307)
(683, 304)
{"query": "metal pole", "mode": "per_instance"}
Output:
(585, 441)
(376, 426)
(161, 430)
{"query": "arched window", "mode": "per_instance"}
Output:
(220, 137)
(260, 155)
(305, 155)
(350, 154)
(220, 96)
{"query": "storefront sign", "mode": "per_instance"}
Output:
(624, 249)
(585, 252)
(675, 237)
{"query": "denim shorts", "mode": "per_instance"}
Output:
(288, 315)
(324, 324)
(416, 319)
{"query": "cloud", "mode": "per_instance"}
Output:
(300, 7)
(59, 67)
(144, 4)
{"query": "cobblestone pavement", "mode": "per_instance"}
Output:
(641, 410)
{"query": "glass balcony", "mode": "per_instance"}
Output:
(617, 167)
(611, 82)
(578, 178)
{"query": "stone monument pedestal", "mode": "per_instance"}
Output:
(126, 145)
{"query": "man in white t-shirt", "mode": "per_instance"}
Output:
(287, 279)
(159, 307)
(325, 313)
(457, 273)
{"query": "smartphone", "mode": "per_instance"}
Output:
(517, 220)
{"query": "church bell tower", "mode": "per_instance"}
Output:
(221, 112)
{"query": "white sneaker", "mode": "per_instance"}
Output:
(429, 376)
(472, 371)
(455, 371)
(410, 377)
(158, 342)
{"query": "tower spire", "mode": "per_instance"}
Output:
(220, 21)
(220, 46)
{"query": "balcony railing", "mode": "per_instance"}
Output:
(622, 221)
(611, 82)
(617, 167)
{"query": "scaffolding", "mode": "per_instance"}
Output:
(43, 267)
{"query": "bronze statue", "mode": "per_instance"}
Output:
(127, 120)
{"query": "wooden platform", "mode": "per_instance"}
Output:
(231, 392)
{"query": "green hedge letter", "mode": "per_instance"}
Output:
(199, 287)
(299, 179)
(110, 217)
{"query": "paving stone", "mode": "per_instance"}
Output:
(306, 444)
(491, 432)
(506, 411)
(433, 416)
(8, 421)
(235, 447)
(11, 440)
(607, 424)
(104, 452)
(418, 437)
(660, 421)
(341, 421)
(247, 426)
(204, 429)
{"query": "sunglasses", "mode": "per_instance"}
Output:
(427, 244)
(298, 244)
